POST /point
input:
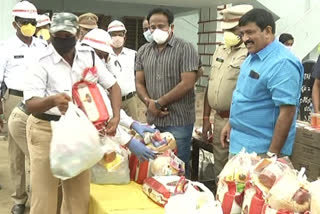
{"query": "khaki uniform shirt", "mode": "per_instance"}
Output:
(224, 74)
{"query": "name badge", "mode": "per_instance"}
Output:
(254, 75)
(219, 60)
(18, 57)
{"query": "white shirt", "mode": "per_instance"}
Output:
(15, 58)
(122, 67)
(53, 75)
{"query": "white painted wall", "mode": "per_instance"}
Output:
(6, 19)
(186, 26)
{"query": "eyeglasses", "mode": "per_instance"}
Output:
(27, 21)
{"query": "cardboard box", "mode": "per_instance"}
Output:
(308, 136)
(302, 151)
(312, 170)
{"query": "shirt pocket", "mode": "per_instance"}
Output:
(252, 88)
(233, 69)
(215, 67)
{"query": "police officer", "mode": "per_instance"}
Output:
(121, 64)
(226, 63)
(47, 93)
(43, 25)
(20, 52)
(87, 22)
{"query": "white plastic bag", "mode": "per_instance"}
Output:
(193, 201)
(121, 175)
(75, 144)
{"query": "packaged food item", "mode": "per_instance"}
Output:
(232, 181)
(269, 170)
(160, 142)
(140, 170)
(160, 188)
(104, 173)
(253, 201)
(290, 193)
(167, 164)
(88, 97)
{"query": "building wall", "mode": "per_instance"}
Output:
(6, 19)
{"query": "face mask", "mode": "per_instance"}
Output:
(117, 41)
(28, 30)
(63, 45)
(160, 36)
(148, 36)
(43, 34)
(231, 39)
(289, 48)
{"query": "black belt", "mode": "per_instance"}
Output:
(23, 108)
(47, 117)
(128, 96)
(16, 92)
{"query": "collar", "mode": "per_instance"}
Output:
(56, 57)
(19, 43)
(123, 52)
(266, 50)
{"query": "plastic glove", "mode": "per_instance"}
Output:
(140, 150)
(141, 129)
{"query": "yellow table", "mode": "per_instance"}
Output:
(121, 199)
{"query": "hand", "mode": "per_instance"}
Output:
(141, 129)
(156, 112)
(61, 101)
(225, 135)
(206, 130)
(140, 150)
(112, 125)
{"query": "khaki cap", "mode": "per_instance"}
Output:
(88, 20)
(232, 15)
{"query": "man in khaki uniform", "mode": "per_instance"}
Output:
(87, 22)
(225, 69)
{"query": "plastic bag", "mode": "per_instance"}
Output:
(118, 174)
(167, 164)
(315, 197)
(75, 144)
(290, 193)
(232, 181)
(193, 201)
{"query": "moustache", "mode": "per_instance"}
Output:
(248, 41)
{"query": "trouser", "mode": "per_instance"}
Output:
(44, 185)
(130, 106)
(220, 154)
(17, 147)
(182, 135)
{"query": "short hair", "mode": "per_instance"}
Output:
(285, 37)
(260, 17)
(163, 11)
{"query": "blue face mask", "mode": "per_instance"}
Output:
(148, 36)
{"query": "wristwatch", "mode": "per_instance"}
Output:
(271, 154)
(158, 106)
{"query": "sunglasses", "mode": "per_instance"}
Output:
(27, 21)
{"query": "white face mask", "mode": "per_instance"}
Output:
(289, 47)
(160, 36)
(148, 36)
(117, 41)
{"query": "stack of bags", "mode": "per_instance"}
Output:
(251, 185)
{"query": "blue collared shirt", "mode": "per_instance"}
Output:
(268, 79)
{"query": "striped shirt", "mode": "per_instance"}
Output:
(162, 72)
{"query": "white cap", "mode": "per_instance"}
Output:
(98, 39)
(25, 9)
(116, 26)
(43, 20)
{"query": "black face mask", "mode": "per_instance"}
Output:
(63, 45)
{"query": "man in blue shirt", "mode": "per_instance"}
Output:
(265, 101)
